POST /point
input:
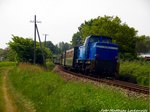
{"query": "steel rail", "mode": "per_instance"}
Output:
(113, 82)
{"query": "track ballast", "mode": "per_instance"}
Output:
(113, 82)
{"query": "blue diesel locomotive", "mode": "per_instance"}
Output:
(98, 56)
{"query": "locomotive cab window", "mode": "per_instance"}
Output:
(106, 40)
(94, 39)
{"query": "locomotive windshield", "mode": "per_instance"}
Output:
(101, 39)
(106, 40)
(93, 39)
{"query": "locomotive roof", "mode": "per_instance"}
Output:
(99, 36)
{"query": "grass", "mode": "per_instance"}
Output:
(7, 63)
(3, 67)
(137, 72)
(50, 93)
(1, 93)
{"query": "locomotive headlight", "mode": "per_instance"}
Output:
(88, 61)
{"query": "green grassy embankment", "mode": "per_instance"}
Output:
(137, 72)
(49, 92)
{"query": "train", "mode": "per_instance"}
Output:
(98, 56)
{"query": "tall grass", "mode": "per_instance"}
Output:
(137, 71)
(50, 93)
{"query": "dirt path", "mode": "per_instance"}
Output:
(11, 96)
(9, 104)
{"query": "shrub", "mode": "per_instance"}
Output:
(135, 71)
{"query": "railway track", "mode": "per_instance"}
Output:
(113, 82)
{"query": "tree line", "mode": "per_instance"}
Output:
(130, 44)
(21, 49)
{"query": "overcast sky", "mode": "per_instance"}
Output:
(61, 18)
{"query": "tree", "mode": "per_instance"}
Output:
(55, 50)
(63, 46)
(8, 54)
(143, 44)
(1, 50)
(2, 55)
(24, 49)
(76, 40)
(124, 35)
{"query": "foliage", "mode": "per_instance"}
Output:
(127, 57)
(48, 91)
(143, 44)
(24, 49)
(124, 35)
(52, 47)
(50, 65)
(8, 54)
(63, 46)
(59, 48)
(135, 71)
(77, 40)
(1, 52)
(11, 55)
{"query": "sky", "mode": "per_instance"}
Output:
(60, 19)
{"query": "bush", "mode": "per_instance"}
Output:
(135, 71)
(50, 65)
(24, 49)
(128, 56)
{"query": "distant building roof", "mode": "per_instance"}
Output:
(144, 55)
(1, 58)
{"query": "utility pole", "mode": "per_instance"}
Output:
(45, 39)
(40, 44)
(34, 39)
(36, 30)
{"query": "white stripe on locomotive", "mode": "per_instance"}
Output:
(108, 47)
